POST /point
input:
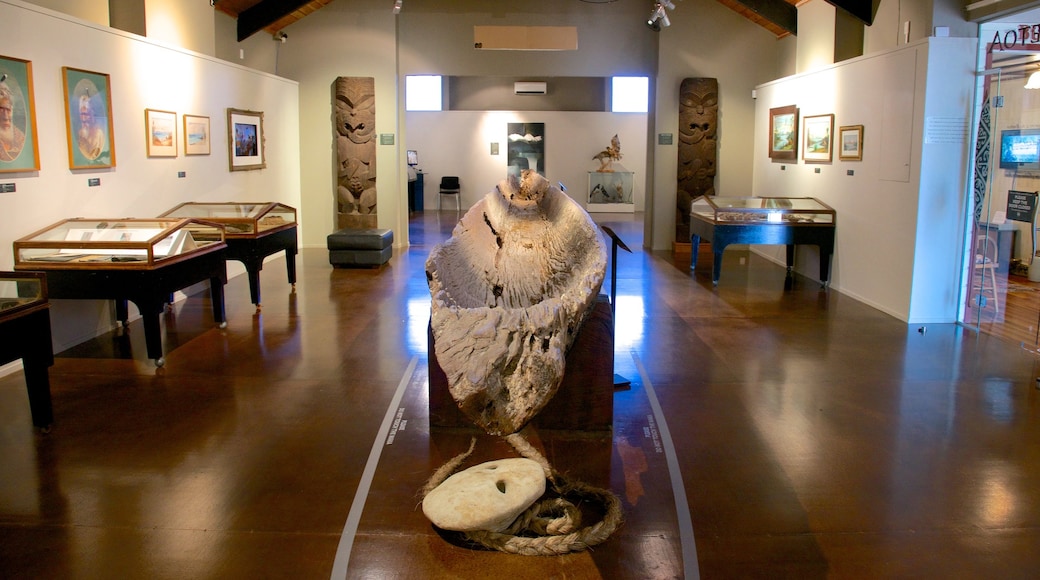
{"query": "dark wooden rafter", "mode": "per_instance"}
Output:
(782, 15)
(264, 14)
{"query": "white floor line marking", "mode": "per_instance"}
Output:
(691, 569)
(346, 540)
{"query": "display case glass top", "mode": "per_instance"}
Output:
(21, 292)
(240, 219)
(126, 243)
(762, 210)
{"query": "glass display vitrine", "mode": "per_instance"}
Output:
(769, 210)
(788, 221)
(143, 261)
(115, 243)
(254, 231)
(240, 219)
(25, 333)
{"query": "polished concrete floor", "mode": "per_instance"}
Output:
(805, 434)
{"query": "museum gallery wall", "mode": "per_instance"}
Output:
(149, 85)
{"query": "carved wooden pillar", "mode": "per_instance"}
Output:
(355, 152)
(698, 144)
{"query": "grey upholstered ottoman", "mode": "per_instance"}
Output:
(360, 247)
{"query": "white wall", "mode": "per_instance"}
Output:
(143, 75)
(900, 216)
(815, 35)
(179, 23)
(459, 143)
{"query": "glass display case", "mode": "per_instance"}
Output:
(254, 231)
(239, 218)
(115, 243)
(788, 221)
(778, 210)
(21, 292)
(25, 333)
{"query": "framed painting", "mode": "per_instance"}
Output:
(850, 139)
(819, 134)
(19, 150)
(196, 135)
(160, 133)
(783, 133)
(88, 118)
(245, 140)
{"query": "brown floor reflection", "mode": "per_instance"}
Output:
(816, 436)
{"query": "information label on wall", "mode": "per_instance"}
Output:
(1021, 206)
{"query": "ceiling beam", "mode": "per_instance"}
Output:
(264, 14)
(778, 12)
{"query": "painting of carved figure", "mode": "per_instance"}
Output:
(355, 152)
(698, 146)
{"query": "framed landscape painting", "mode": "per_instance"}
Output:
(160, 133)
(783, 133)
(196, 135)
(819, 135)
(850, 143)
(19, 150)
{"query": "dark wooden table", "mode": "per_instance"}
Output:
(147, 286)
(252, 249)
(787, 233)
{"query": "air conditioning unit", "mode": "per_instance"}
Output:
(529, 88)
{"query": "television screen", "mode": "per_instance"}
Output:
(1020, 149)
(413, 157)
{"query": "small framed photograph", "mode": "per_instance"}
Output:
(245, 140)
(819, 133)
(196, 135)
(160, 133)
(88, 118)
(850, 138)
(18, 147)
(783, 133)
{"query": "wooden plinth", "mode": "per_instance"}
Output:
(585, 400)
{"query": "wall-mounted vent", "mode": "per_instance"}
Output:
(529, 88)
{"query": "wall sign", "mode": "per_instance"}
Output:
(1021, 206)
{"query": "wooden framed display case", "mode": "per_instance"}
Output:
(141, 260)
(762, 220)
(253, 231)
(25, 333)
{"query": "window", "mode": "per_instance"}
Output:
(629, 94)
(422, 93)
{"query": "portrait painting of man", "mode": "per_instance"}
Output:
(18, 151)
(88, 110)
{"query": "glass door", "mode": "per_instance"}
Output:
(1001, 282)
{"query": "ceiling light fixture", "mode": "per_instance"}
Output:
(659, 16)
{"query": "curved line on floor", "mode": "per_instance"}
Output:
(691, 571)
(346, 539)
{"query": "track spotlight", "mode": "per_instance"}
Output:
(658, 18)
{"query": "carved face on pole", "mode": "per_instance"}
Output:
(355, 109)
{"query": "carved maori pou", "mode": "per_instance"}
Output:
(698, 146)
(355, 152)
(510, 291)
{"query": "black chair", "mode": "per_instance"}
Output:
(450, 186)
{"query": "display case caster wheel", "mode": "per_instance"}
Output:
(258, 308)
(160, 362)
(222, 325)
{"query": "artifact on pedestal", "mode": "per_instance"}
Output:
(608, 156)
(510, 291)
